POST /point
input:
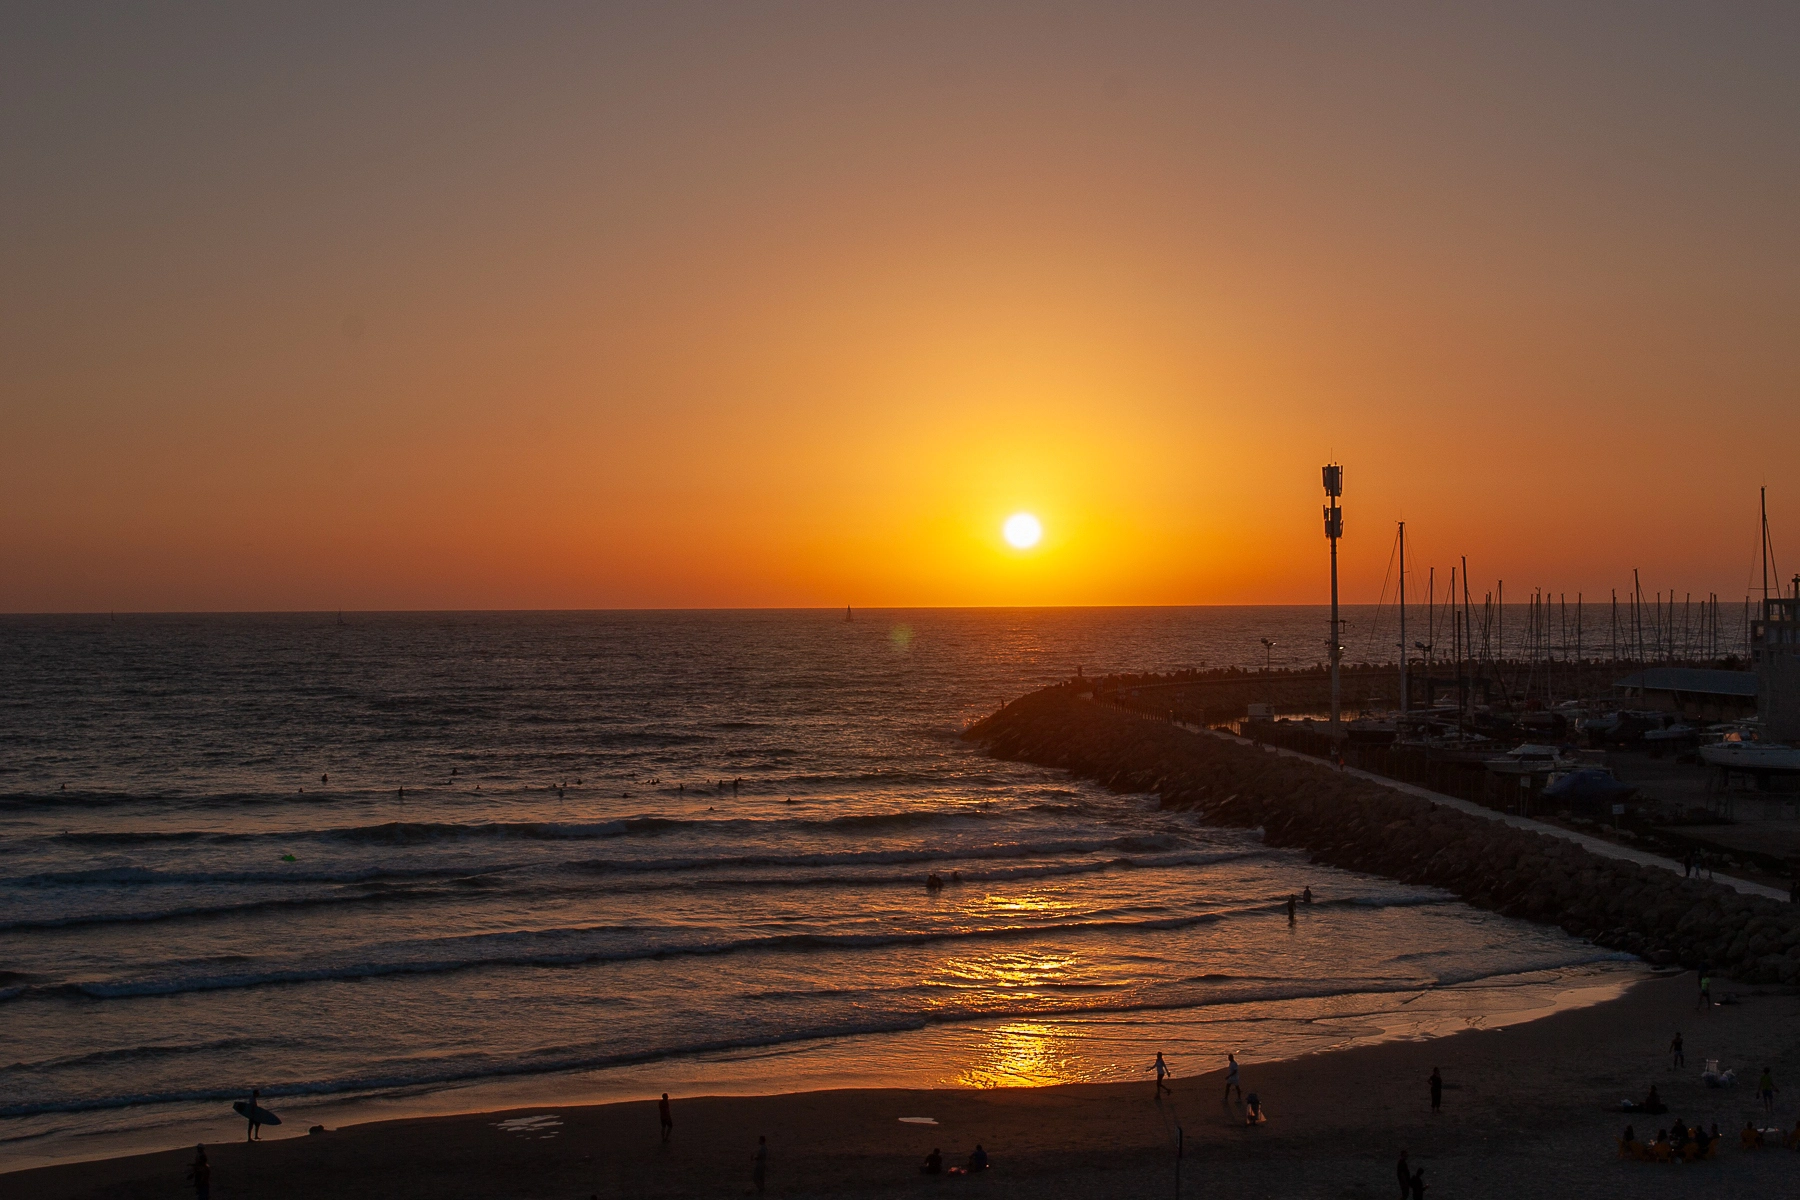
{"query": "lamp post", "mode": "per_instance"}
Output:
(1268, 654)
(1334, 529)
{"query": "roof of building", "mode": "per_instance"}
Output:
(1692, 680)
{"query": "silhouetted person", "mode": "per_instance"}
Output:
(978, 1161)
(1231, 1078)
(662, 1111)
(1766, 1089)
(254, 1129)
(1293, 907)
(1437, 1090)
(1306, 896)
(200, 1171)
(1677, 1058)
(1405, 1172)
(1418, 1184)
(934, 1163)
(1162, 1069)
(759, 1165)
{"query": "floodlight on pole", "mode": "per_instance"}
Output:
(1334, 529)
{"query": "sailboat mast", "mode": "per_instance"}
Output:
(1403, 705)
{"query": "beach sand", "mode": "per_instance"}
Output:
(1525, 1115)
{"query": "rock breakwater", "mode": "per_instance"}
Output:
(1356, 824)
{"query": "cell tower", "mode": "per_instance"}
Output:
(1334, 529)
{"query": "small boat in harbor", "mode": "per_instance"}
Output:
(1753, 758)
(1531, 759)
(1588, 786)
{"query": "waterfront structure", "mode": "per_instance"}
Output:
(1775, 656)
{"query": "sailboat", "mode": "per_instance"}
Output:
(847, 615)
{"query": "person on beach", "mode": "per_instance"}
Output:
(200, 1172)
(1306, 896)
(1437, 1091)
(1417, 1184)
(759, 1163)
(254, 1129)
(1676, 1058)
(978, 1161)
(1231, 1077)
(662, 1112)
(1705, 991)
(1162, 1069)
(934, 1163)
(1765, 1089)
(1253, 1112)
(1293, 907)
(1404, 1170)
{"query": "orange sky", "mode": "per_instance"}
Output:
(424, 306)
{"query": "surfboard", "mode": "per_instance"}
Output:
(259, 1114)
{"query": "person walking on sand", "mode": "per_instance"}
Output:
(662, 1112)
(1705, 991)
(1404, 1171)
(1676, 1057)
(200, 1172)
(759, 1164)
(1418, 1184)
(1231, 1077)
(1162, 1069)
(1437, 1091)
(1766, 1089)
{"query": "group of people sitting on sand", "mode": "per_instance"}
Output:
(1681, 1142)
(934, 1163)
(1678, 1143)
(1752, 1138)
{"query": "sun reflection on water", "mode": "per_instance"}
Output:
(1021, 1054)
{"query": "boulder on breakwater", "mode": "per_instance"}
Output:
(1363, 826)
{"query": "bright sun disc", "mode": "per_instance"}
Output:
(1022, 530)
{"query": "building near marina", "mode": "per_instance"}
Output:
(1775, 655)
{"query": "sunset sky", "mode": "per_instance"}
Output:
(439, 306)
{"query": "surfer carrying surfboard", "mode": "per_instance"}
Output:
(255, 1114)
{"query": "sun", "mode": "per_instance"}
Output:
(1022, 530)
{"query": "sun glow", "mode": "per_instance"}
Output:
(1022, 530)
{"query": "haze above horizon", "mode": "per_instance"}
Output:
(463, 307)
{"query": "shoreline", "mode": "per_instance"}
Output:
(1536, 1092)
(1071, 1048)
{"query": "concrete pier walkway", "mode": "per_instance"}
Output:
(1596, 845)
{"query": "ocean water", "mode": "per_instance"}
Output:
(416, 863)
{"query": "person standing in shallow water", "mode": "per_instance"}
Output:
(1437, 1090)
(1293, 907)
(668, 1122)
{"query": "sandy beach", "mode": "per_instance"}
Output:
(1526, 1113)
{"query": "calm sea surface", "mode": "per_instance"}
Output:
(641, 852)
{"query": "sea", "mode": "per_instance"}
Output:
(383, 865)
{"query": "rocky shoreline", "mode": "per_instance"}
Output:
(1352, 823)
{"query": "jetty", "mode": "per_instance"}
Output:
(1635, 903)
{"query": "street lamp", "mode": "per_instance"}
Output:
(1268, 654)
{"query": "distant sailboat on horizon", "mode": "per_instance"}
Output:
(847, 615)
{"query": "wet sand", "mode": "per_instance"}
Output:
(1525, 1114)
